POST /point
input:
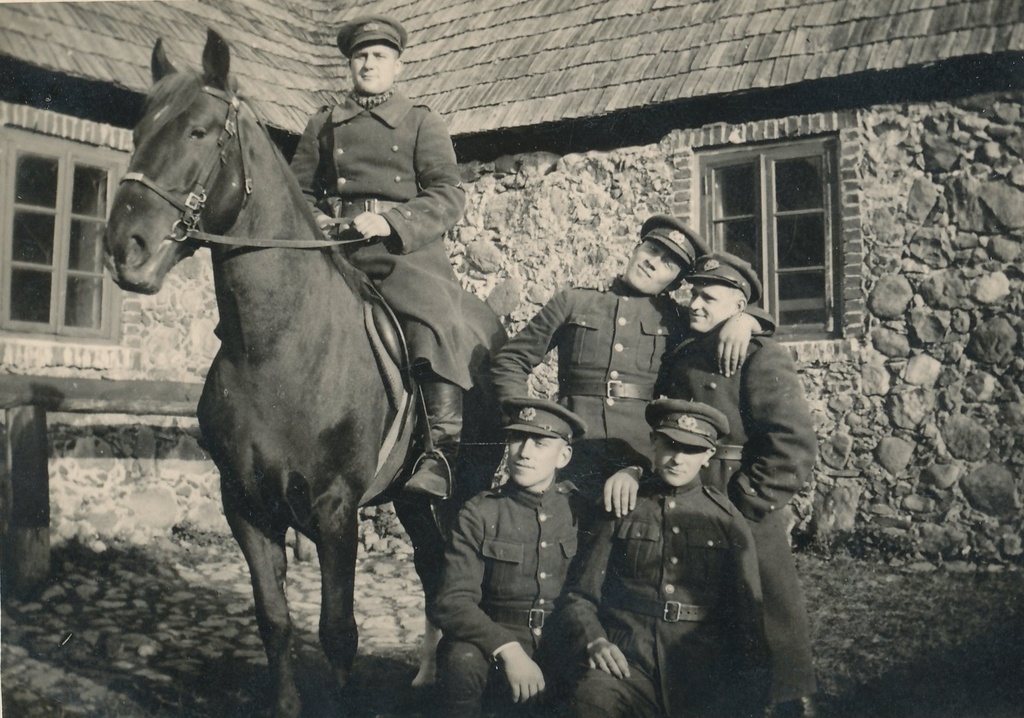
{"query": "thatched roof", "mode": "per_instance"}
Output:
(514, 63)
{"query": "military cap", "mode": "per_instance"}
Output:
(371, 29)
(728, 269)
(679, 239)
(543, 417)
(688, 422)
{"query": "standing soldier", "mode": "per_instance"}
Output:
(764, 459)
(388, 166)
(610, 346)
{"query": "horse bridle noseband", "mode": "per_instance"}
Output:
(186, 227)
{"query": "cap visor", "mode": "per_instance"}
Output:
(530, 429)
(688, 438)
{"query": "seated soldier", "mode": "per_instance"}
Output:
(667, 604)
(505, 564)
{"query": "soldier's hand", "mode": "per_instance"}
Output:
(620, 491)
(606, 656)
(733, 341)
(370, 225)
(523, 674)
(324, 223)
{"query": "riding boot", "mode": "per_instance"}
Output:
(434, 473)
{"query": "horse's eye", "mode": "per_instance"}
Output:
(198, 133)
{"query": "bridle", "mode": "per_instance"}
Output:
(186, 227)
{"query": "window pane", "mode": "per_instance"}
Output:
(90, 192)
(802, 298)
(35, 182)
(798, 184)
(736, 191)
(84, 302)
(86, 251)
(742, 238)
(801, 241)
(33, 238)
(30, 296)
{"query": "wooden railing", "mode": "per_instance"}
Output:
(25, 485)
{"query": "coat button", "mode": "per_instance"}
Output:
(712, 385)
(394, 148)
(609, 401)
(341, 183)
(671, 504)
(675, 529)
(619, 347)
(711, 543)
(339, 152)
(613, 374)
(543, 544)
(542, 517)
(622, 321)
(674, 560)
(397, 178)
(670, 589)
(535, 631)
(540, 601)
(542, 574)
(408, 213)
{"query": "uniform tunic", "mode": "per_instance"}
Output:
(688, 545)
(509, 553)
(765, 459)
(401, 152)
(618, 335)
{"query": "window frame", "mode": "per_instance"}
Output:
(762, 156)
(69, 154)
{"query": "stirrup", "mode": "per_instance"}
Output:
(442, 461)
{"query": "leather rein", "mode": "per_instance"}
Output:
(186, 227)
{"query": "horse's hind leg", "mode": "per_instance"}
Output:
(337, 546)
(265, 555)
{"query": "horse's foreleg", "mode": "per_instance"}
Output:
(427, 673)
(265, 555)
(337, 549)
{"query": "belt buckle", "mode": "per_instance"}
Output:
(673, 612)
(611, 387)
(370, 205)
(536, 618)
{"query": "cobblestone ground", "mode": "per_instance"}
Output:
(170, 631)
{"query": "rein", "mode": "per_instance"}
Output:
(186, 227)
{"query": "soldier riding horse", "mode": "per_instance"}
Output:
(295, 412)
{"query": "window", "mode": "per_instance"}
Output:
(773, 206)
(54, 207)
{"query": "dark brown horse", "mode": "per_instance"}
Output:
(293, 411)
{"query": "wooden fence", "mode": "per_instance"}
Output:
(25, 484)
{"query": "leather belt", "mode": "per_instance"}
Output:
(611, 389)
(667, 611)
(531, 617)
(729, 452)
(355, 207)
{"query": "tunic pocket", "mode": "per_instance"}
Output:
(642, 544)
(583, 336)
(503, 567)
(706, 549)
(652, 342)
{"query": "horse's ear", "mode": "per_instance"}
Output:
(159, 64)
(216, 61)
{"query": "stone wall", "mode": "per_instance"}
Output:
(918, 405)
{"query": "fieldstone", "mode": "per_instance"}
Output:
(941, 476)
(1011, 544)
(506, 164)
(922, 198)
(940, 153)
(874, 376)
(1005, 249)
(185, 448)
(966, 208)
(89, 447)
(991, 490)
(1016, 175)
(483, 255)
(965, 240)
(538, 163)
(1007, 112)
(929, 326)
(504, 298)
(890, 342)
(155, 508)
(1006, 203)
(918, 504)
(931, 247)
(980, 387)
(890, 296)
(909, 406)
(993, 342)
(944, 289)
(960, 321)
(991, 288)
(145, 442)
(838, 508)
(835, 450)
(894, 454)
(965, 438)
(922, 370)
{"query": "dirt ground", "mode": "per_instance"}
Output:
(169, 631)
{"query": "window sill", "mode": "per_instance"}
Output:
(810, 351)
(23, 354)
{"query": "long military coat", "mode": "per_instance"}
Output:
(601, 336)
(401, 152)
(686, 544)
(510, 549)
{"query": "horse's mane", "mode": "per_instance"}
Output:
(179, 90)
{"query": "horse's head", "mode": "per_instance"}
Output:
(186, 173)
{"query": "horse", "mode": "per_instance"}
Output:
(294, 410)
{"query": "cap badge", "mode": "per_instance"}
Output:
(711, 265)
(686, 423)
(528, 414)
(676, 236)
(371, 27)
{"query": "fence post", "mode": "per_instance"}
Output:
(26, 545)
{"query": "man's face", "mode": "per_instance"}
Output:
(712, 304)
(676, 463)
(652, 267)
(374, 68)
(533, 459)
